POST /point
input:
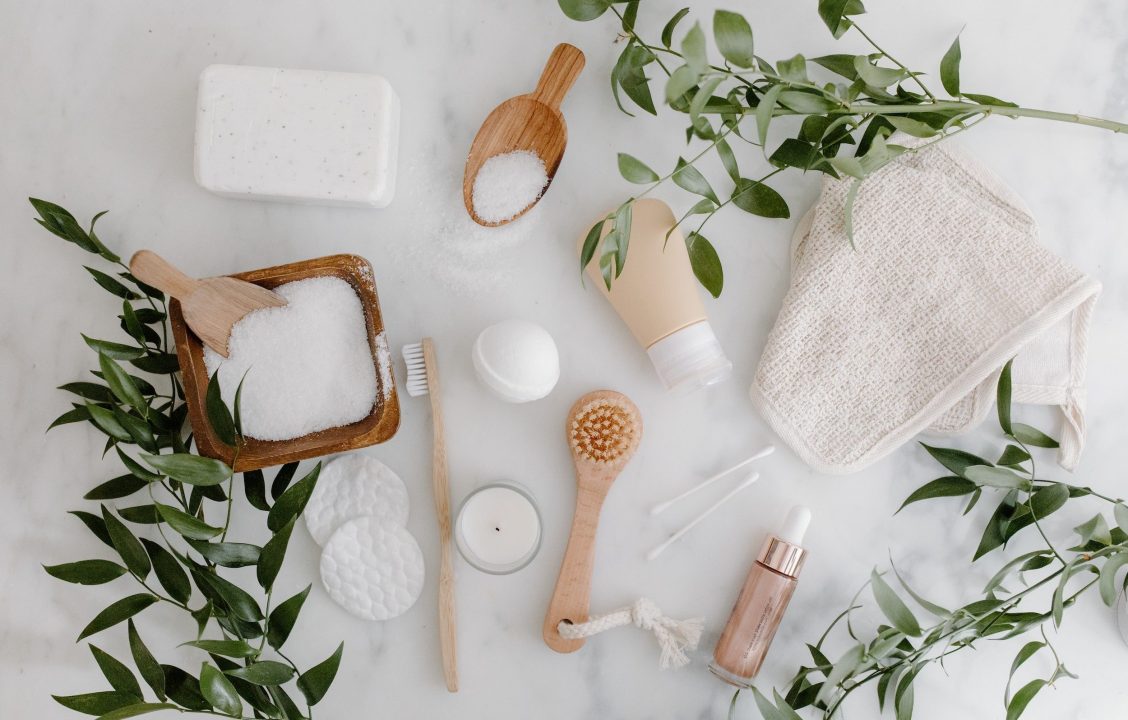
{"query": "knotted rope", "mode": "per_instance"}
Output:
(675, 637)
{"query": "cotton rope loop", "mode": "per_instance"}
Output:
(675, 637)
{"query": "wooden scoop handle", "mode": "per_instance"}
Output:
(152, 269)
(560, 72)
(571, 599)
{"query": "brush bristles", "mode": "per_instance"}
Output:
(416, 369)
(603, 431)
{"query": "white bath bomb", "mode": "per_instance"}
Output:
(517, 360)
(350, 487)
(372, 568)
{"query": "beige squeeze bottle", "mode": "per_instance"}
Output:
(658, 298)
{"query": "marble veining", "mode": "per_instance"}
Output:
(98, 113)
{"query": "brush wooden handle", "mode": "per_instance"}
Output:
(152, 269)
(571, 600)
(560, 72)
(448, 631)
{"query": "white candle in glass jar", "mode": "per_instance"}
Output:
(498, 528)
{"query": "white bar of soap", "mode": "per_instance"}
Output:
(328, 138)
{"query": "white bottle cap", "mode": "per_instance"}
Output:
(690, 358)
(795, 525)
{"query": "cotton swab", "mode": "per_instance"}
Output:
(693, 523)
(764, 452)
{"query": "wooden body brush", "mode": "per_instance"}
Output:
(604, 429)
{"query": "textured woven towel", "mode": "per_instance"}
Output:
(908, 331)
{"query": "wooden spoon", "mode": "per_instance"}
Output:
(211, 306)
(527, 122)
(604, 429)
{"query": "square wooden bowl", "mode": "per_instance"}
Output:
(380, 425)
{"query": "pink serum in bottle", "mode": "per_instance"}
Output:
(759, 609)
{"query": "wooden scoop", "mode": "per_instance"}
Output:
(527, 122)
(211, 306)
(604, 429)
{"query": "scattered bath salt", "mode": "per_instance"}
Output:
(384, 363)
(308, 365)
(508, 183)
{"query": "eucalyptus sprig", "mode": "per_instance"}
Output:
(179, 554)
(849, 106)
(1051, 577)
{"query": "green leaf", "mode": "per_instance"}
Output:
(706, 263)
(1023, 697)
(267, 672)
(283, 617)
(96, 703)
(894, 608)
(282, 480)
(995, 477)
(843, 667)
(1107, 581)
(1048, 500)
(875, 76)
(1095, 529)
(728, 159)
(273, 553)
(687, 177)
(169, 572)
(291, 503)
(591, 242)
(117, 351)
(1013, 456)
(955, 460)
(937, 610)
(1032, 436)
(141, 514)
(108, 423)
(78, 413)
(86, 572)
(833, 13)
(227, 554)
(158, 364)
(110, 284)
(950, 74)
(993, 532)
(764, 112)
(1003, 395)
(117, 612)
(226, 648)
(1025, 654)
(693, 49)
(680, 82)
(115, 488)
(89, 391)
(219, 417)
(285, 704)
(239, 600)
(147, 665)
(757, 198)
(668, 30)
(839, 64)
(794, 69)
(634, 170)
(187, 525)
(316, 681)
(909, 126)
(629, 74)
(1120, 513)
(190, 469)
(622, 232)
(116, 673)
(733, 35)
(218, 690)
(806, 103)
(951, 486)
(1000, 577)
(584, 10)
(127, 545)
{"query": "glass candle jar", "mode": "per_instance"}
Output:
(498, 528)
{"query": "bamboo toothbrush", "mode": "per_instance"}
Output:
(423, 379)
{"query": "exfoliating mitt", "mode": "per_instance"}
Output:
(907, 330)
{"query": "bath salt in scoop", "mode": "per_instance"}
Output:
(522, 126)
(211, 306)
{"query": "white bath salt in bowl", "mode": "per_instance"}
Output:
(308, 365)
(508, 183)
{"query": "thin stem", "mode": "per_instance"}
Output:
(230, 493)
(893, 60)
(1006, 111)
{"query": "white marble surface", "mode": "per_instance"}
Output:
(97, 113)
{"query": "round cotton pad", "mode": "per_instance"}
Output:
(372, 568)
(350, 487)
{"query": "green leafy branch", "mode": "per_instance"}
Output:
(897, 651)
(243, 667)
(847, 115)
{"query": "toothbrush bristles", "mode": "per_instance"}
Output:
(416, 369)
